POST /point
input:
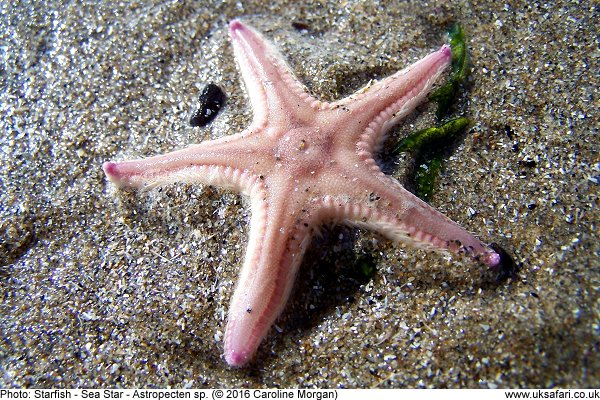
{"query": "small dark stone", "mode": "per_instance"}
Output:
(209, 103)
(529, 163)
(301, 26)
(509, 131)
(532, 206)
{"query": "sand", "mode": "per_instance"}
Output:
(103, 287)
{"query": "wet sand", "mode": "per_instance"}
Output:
(110, 288)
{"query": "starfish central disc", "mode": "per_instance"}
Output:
(303, 151)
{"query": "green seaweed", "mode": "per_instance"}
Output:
(432, 136)
(425, 177)
(428, 145)
(366, 265)
(445, 95)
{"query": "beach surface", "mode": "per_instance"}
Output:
(102, 287)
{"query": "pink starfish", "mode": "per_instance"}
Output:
(304, 162)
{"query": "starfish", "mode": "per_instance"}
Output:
(304, 162)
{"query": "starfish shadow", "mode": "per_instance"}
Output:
(328, 278)
(331, 274)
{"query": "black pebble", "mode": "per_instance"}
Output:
(509, 131)
(209, 103)
(300, 25)
(529, 163)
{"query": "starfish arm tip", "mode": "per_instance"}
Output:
(107, 165)
(492, 259)
(116, 173)
(446, 50)
(110, 169)
(236, 24)
(500, 260)
(237, 358)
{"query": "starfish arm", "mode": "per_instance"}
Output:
(401, 216)
(275, 249)
(271, 85)
(386, 102)
(223, 162)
